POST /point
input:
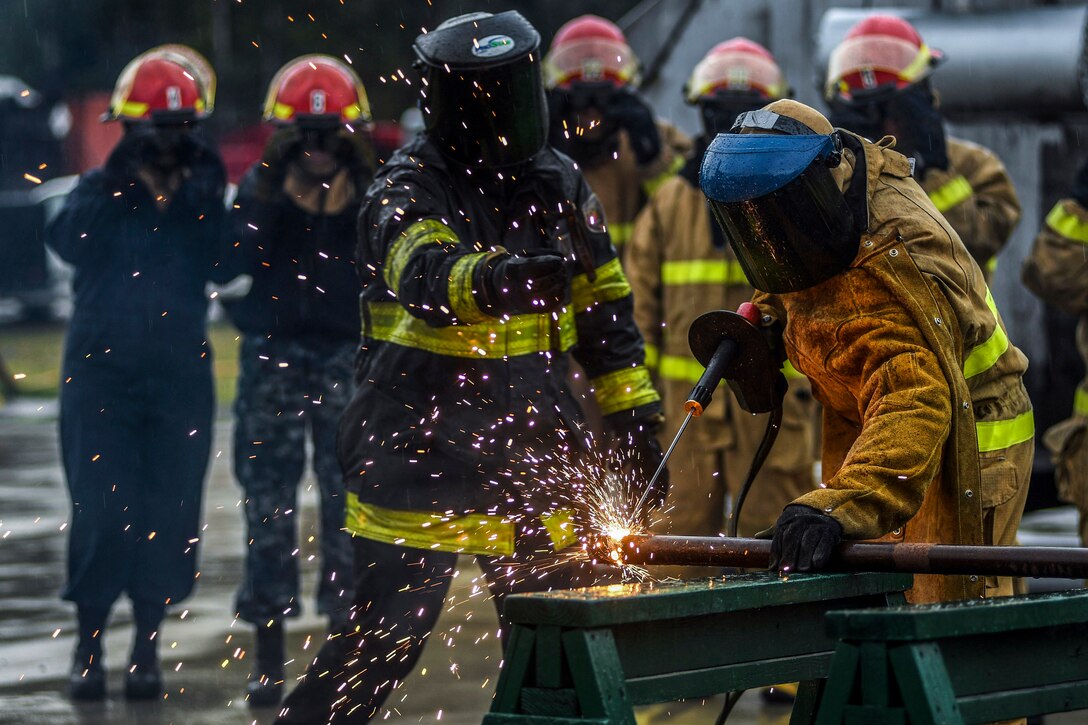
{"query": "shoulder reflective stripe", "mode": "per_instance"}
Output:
(678, 368)
(1080, 402)
(650, 186)
(1068, 225)
(702, 271)
(485, 534)
(624, 389)
(951, 193)
(462, 301)
(994, 435)
(611, 284)
(620, 232)
(560, 527)
(493, 338)
(421, 233)
(652, 356)
(468, 534)
(991, 266)
(983, 357)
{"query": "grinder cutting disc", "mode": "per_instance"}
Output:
(753, 374)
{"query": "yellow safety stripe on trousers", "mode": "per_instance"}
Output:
(951, 193)
(984, 356)
(702, 271)
(651, 185)
(678, 368)
(486, 534)
(996, 435)
(462, 301)
(611, 284)
(1080, 402)
(419, 234)
(653, 356)
(624, 389)
(620, 233)
(493, 338)
(1066, 224)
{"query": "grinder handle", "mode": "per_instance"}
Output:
(700, 396)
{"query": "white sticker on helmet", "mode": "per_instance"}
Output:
(317, 102)
(173, 98)
(492, 45)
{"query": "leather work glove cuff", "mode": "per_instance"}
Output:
(804, 539)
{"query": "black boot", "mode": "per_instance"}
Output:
(87, 680)
(143, 681)
(265, 687)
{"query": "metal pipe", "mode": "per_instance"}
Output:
(716, 551)
(1032, 61)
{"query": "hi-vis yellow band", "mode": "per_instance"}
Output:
(681, 369)
(651, 185)
(1080, 402)
(702, 271)
(624, 389)
(484, 534)
(1068, 225)
(996, 435)
(611, 284)
(620, 232)
(951, 193)
(420, 234)
(462, 300)
(653, 356)
(984, 356)
(491, 339)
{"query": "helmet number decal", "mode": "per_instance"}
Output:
(318, 102)
(492, 45)
(868, 78)
(173, 98)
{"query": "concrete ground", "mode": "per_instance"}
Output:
(204, 650)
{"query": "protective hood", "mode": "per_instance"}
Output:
(482, 95)
(780, 207)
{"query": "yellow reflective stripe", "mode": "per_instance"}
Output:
(486, 534)
(651, 185)
(282, 111)
(1080, 402)
(983, 357)
(611, 284)
(951, 193)
(462, 300)
(492, 338)
(922, 62)
(990, 266)
(678, 368)
(133, 109)
(702, 271)
(560, 527)
(995, 435)
(620, 232)
(1068, 225)
(419, 234)
(652, 356)
(624, 389)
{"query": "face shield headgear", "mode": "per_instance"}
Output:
(777, 202)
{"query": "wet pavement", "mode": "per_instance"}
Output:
(204, 650)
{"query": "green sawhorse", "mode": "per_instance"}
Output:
(961, 662)
(590, 655)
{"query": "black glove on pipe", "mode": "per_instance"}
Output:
(803, 539)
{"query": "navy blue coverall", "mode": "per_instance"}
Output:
(136, 400)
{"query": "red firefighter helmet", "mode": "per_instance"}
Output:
(737, 65)
(166, 83)
(590, 48)
(316, 89)
(879, 51)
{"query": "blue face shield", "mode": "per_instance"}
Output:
(780, 208)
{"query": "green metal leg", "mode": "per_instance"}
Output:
(924, 683)
(598, 675)
(807, 703)
(515, 670)
(841, 681)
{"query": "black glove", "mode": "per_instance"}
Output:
(803, 539)
(921, 128)
(1079, 191)
(862, 119)
(131, 152)
(282, 148)
(531, 282)
(355, 152)
(626, 110)
(639, 437)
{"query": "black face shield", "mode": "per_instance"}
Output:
(483, 93)
(780, 208)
